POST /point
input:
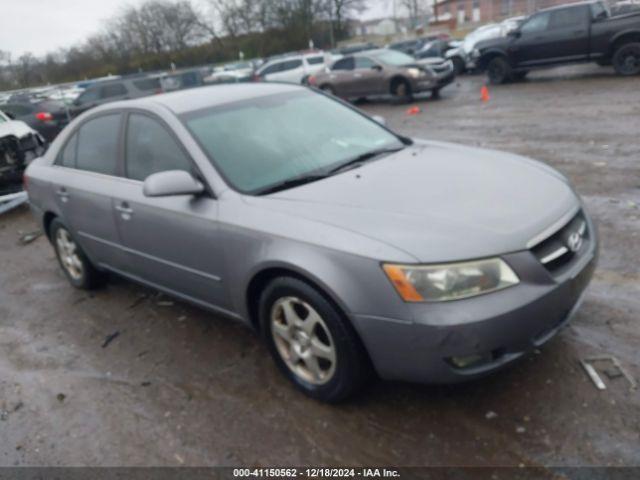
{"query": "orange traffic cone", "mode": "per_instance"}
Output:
(484, 94)
(413, 110)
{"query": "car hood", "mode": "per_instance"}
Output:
(16, 128)
(437, 202)
(430, 61)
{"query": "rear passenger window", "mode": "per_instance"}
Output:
(98, 144)
(568, 17)
(151, 149)
(291, 64)
(67, 156)
(147, 84)
(115, 90)
(343, 64)
(276, 67)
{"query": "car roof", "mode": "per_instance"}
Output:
(567, 5)
(183, 101)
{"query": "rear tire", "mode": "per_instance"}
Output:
(626, 59)
(74, 262)
(499, 71)
(311, 341)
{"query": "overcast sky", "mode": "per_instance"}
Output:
(41, 26)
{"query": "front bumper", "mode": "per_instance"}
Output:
(436, 80)
(499, 327)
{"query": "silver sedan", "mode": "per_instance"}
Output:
(352, 250)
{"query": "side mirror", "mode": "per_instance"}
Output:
(601, 16)
(376, 67)
(381, 120)
(514, 33)
(10, 115)
(170, 183)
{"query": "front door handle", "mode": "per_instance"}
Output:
(125, 210)
(63, 194)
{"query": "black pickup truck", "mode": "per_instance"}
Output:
(578, 32)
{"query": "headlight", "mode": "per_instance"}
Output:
(453, 281)
(475, 54)
(415, 72)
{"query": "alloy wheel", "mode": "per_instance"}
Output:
(303, 340)
(68, 253)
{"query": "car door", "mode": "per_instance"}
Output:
(568, 34)
(341, 74)
(83, 179)
(529, 44)
(368, 77)
(291, 71)
(172, 242)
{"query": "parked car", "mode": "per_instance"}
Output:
(354, 48)
(448, 49)
(19, 145)
(292, 69)
(625, 6)
(47, 117)
(347, 246)
(107, 91)
(469, 43)
(182, 79)
(411, 47)
(582, 32)
(232, 73)
(384, 72)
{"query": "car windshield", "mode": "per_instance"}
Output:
(393, 57)
(262, 142)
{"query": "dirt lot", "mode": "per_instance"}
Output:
(178, 386)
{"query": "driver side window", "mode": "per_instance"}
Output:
(151, 149)
(536, 24)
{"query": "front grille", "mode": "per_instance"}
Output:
(563, 247)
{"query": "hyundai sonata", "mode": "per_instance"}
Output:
(350, 248)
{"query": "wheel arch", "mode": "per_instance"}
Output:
(268, 272)
(627, 36)
(47, 220)
(393, 81)
(486, 57)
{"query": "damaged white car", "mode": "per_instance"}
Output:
(19, 145)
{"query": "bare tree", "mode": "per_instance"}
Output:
(417, 10)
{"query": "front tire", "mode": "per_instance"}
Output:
(311, 341)
(626, 59)
(499, 71)
(401, 91)
(75, 264)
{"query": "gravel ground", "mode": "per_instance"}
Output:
(178, 386)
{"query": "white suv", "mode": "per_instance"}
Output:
(293, 69)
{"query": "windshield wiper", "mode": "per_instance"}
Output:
(362, 158)
(292, 182)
